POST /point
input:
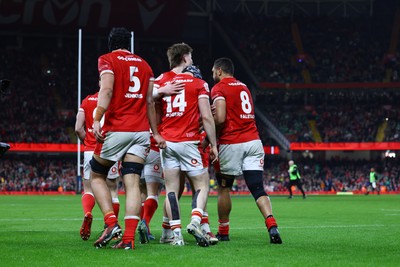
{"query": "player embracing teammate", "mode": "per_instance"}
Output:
(126, 97)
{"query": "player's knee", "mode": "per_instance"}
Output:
(131, 168)
(223, 181)
(255, 183)
(99, 168)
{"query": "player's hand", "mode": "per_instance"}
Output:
(98, 132)
(172, 88)
(204, 144)
(160, 141)
(213, 154)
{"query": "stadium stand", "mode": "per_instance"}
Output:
(286, 49)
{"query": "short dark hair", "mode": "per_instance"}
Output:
(225, 64)
(176, 52)
(119, 38)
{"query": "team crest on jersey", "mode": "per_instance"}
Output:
(261, 162)
(194, 161)
(156, 167)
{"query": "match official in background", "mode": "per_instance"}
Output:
(373, 179)
(294, 177)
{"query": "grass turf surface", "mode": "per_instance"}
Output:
(318, 231)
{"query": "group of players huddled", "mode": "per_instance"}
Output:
(155, 132)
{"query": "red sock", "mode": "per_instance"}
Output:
(150, 207)
(116, 208)
(223, 227)
(131, 223)
(270, 222)
(88, 202)
(110, 219)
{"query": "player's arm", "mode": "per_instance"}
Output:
(80, 125)
(209, 126)
(103, 101)
(152, 116)
(168, 89)
(219, 114)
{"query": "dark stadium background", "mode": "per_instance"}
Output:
(324, 76)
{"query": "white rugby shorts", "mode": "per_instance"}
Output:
(87, 156)
(152, 171)
(236, 158)
(183, 155)
(117, 144)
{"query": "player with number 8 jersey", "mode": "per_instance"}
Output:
(240, 148)
(240, 125)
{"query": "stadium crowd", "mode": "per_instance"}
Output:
(352, 116)
(37, 174)
(40, 174)
(42, 104)
(331, 49)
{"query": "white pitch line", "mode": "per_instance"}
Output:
(44, 219)
(391, 210)
(233, 228)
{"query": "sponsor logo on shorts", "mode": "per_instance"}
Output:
(195, 162)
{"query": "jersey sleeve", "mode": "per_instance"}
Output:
(83, 105)
(204, 91)
(105, 65)
(216, 93)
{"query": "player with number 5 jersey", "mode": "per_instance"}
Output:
(125, 98)
(132, 75)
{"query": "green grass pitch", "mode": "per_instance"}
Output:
(318, 231)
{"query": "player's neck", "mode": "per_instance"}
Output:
(178, 69)
(121, 49)
(226, 76)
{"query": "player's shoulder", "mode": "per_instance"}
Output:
(166, 76)
(201, 84)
